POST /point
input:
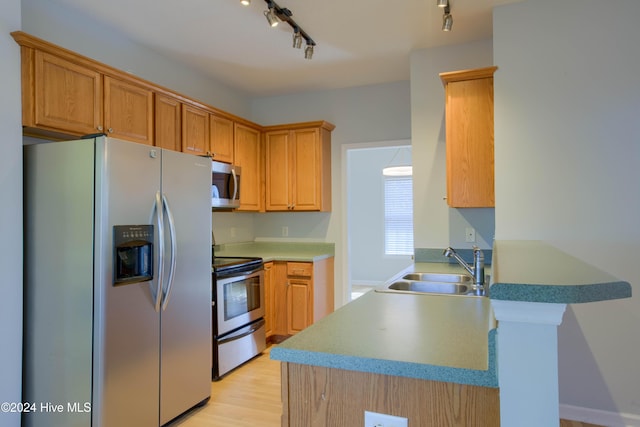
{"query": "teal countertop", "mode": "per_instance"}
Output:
(432, 337)
(535, 271)
(278, 251)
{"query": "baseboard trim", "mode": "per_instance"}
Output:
(599, 417)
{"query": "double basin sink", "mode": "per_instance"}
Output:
(435, 283)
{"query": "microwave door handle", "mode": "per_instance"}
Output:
(159, 218)
(172, 259)
(235, 184)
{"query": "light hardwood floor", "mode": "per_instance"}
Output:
(250, 397)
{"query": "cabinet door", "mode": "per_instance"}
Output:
(307, 173)
(167, 123)
(247, 156)
(68, 97)
(128, 111)
(221, 139)
(195, 130)
(469, 124)
(298, 304)
(278, 171)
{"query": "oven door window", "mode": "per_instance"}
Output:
(241, 297)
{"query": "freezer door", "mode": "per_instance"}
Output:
(127, 328)
(186, 337)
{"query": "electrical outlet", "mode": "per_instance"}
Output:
(285, 231)
(470, 234)
(374, 419)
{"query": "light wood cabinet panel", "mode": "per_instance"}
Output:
(128, 111)
(269, 297)
(302, 294)
(221, 138)
(469, 136)
(66, 97)
(195, 130)
(278, 171)
(299, 302)
(168, 119)
(298, 167)
(248, 156)
(316, 396)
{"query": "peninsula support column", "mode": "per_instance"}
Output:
(527, 354)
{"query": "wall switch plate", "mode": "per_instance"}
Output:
(374, 419)
(470, 234)
(232, 232)
(285, 231)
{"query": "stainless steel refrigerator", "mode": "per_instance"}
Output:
(117, 284)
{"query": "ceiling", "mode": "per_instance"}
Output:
(358, 42)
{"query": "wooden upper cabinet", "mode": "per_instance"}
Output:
(168, 120)
(128, 111)
(66, 97)
(469, 138)
(221, 135)
(248, 156)
(298, 167)
(277, 171)
(195, 130)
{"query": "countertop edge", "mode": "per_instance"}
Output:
(486, 378)
(560, 294)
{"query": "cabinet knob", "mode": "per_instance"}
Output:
(99, 128)
(110, 130)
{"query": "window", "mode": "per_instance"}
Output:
(398, 215)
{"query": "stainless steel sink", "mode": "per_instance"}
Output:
(439, 277)
(434, 283)
(431, 287)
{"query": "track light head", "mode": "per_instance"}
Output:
(443, 3)
(297, 38)
(447, 19)
(272, 19)
(245, 2)
(308, 51)
(447, 22)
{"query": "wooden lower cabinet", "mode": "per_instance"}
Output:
(301, 293)
(314, 396)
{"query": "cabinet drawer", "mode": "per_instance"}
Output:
(299, 269)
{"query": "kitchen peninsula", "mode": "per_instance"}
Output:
(432, 358)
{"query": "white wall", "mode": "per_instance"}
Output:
(567, 145)
(360, 114)
(366, 212)
(81, 33)
(435, 224)
(10, 213)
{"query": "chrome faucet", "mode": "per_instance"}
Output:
(477, 271)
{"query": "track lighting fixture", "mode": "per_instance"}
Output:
(297, 38)
(447, 18)
(308, 51)
(270, 14)
(275, 14)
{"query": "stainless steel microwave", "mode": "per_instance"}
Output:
(225, 186)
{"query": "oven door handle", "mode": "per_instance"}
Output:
(237, 276)
(250, 329)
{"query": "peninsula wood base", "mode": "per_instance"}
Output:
(315, 396)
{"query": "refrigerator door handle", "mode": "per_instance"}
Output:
(156, 287)
(172, 262)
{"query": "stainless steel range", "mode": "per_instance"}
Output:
(238, 312)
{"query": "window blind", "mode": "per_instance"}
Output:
(398, 215)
